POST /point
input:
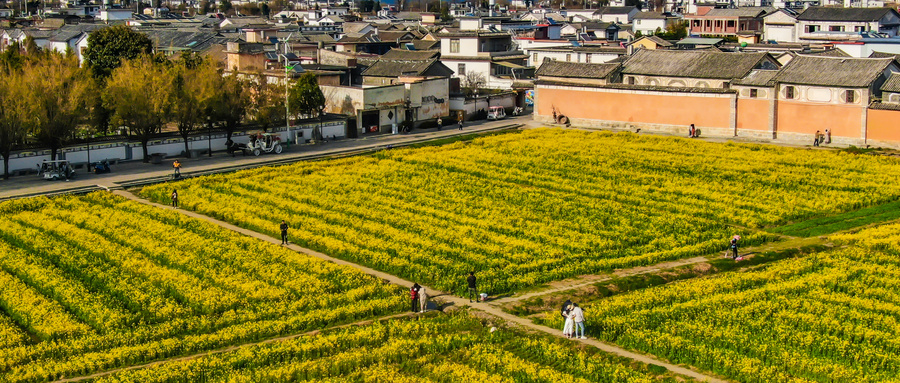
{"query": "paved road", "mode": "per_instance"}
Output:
(128, 172)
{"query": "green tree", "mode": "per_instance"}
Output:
(231, 103)
(634, 3)
(225, 6)
(139, 93)
(194, 86)
(267, 103)
(58, 93)
(307, 98)
(107, 47)
(14, 115)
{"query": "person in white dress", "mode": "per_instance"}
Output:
(569, 327)
(423, 299)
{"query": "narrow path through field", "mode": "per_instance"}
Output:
(588, 280)
(225, 349)
(456, 301)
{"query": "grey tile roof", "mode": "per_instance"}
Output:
(693, 63)
(739, 12)
(394, 68)
(649, 15)
(758, 77)
(831, 71)
(892, 84)
(843, 14)
(403, 54)
(614, 10)
(829, 53)
(881, 55)
(554, 68)
(884, 106)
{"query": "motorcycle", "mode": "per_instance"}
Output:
(100, 167)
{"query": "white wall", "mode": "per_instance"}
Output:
(648, 26)
(780, 33)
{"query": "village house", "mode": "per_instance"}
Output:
(472, 51)
(568, 73)
(692, 69)
(620, 15)
(835, 24)
(648, 23)
(780, 26)
(585, 54)
(727, 21)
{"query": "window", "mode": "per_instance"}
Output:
(729, 23)
(461, 70)
(631, 81)
(534, 58)
(754, 93)
(568, 57)
(696, 23)
(859, 29)
(789, 92)
(836, 28)
(850, 96)
(812, 28)
(718, 24)
(454, 45)
(587, 58)
(708, 24)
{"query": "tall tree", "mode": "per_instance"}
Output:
(267, 105)
(107, 48)
(140, 95)
(308, 98)
(194, 86)
(231, 103)
(14, 115)
(58, 92)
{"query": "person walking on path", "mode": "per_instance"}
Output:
(284, 229)
(175, 198)
(177, 166)
(734, 246)
(827, 136)
(691, 131)
(472, 286)
(570, 323)
(816, 140)
(460, 124)
(414, 296)
(423, 299)
(578, 318)
(440, 123)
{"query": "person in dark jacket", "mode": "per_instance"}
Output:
(734, 247)
(174, 198)
(472, 286)
(284, 229)
(414, 296)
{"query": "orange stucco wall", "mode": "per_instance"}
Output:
(752, 114)
(661, 108)
(883, 125)
(842, 120)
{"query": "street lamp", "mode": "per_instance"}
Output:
(209, 134)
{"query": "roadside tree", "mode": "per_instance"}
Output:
(139, 93)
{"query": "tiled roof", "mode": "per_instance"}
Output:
(739, 12)
(757, 77)
(843, 14)
(394, 68)
(830, 71)
(649, 15)
(403, 54)
(829, 53)
(693, 63)
(656, 39)
(554, 68)
(614, 10)
(892, 84)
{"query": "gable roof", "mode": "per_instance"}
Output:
(394, 68)
(739, 12)
(758, 77)
(575, 70)
(693, 63)
(832, 71)
(834, 52)
(844, 14)
(403, 54)
(614, 10)
(656, 39)
(650, 15)
(355, 27)
(892, 84)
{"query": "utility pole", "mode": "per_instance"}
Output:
(287, 101)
